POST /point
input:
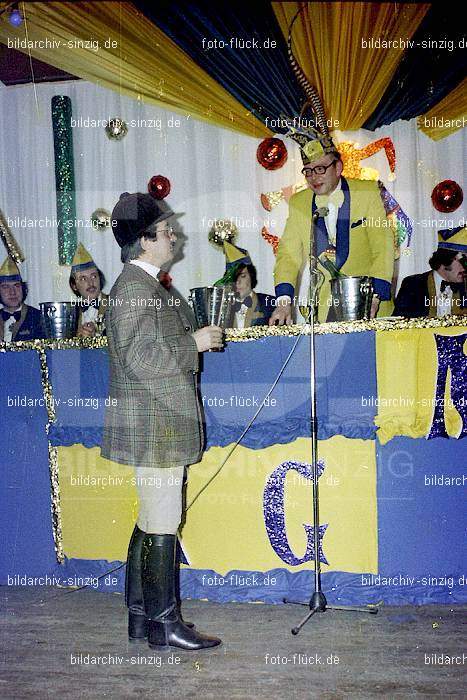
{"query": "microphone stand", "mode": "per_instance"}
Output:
(317, 602)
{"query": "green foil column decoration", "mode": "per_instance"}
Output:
(64, 178)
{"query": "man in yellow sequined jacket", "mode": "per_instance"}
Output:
(354, 234)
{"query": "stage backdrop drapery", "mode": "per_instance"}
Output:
(452, 109)
(420, 524)
(327, 42)
(213, 172)
(134, 57)
(258, 75)
(434, 63)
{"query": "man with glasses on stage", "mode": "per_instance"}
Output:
(353, 237)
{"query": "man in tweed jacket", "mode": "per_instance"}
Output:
(154, 421)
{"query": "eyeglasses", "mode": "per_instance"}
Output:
(318, 169)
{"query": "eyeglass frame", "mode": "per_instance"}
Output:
(318, 169)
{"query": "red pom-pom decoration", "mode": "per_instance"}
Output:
(159, 186)
(271, 153)
(447, 196)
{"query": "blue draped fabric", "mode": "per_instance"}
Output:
(259, 78)
(233, 385)
(25, 523)
(422, 519)
(421, 516)
(272, 586)
(425, 75)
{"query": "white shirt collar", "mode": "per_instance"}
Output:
(147, 267)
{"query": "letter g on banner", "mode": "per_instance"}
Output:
(274, 516)
(450, 356)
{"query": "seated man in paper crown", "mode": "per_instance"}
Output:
(251, 308)
(18, 321)
(441, 291)
(353, 235)
(87, 282)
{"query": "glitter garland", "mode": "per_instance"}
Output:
(64, 178)
(342, 327)
(53, 461)
(237, 335)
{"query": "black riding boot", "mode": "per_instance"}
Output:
(137, 622)
(165, 628)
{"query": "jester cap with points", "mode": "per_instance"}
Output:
(313, 143)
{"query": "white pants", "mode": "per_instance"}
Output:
(160, 499)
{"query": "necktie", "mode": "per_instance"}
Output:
(246, 302)
(336, 198)
(6, 315)
(453, 285)
(165, 279)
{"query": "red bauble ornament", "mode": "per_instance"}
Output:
(271, 154)
(159, 186)
(447, 196)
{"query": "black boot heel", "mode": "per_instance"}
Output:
(162, 635)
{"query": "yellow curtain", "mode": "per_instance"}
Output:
(407, 370)
(98, 503)
(134, 58)
(328, 43)
(447, 116)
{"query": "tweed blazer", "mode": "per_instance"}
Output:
(154, 417)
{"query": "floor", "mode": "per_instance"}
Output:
(58, 643)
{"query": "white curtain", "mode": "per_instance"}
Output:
(213, 173)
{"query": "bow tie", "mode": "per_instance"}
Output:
(246, 302)
(324, 200)
(165, 279)
(93, 302)
(456, 287)
(6, 315)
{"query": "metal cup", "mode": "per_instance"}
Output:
(59, 319)
(352, 298)
(213, 306)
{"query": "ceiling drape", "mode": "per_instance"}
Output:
(447, 116)
(144, 63)
(328, 40)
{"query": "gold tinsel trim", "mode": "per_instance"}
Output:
(55, 344)
(256, 332)
(53, 459)
(240, 335)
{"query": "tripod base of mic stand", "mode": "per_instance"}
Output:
(318, 604)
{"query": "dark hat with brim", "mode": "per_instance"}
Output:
(134, 213)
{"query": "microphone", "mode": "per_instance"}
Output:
(320, 213)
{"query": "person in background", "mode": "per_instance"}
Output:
(442, 290)
(18, 321)
(87, 282)
(251, 308)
